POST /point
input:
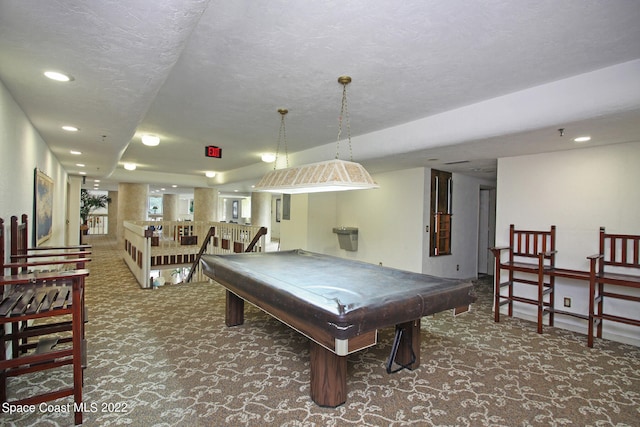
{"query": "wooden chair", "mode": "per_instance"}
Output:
(617, 263)
(529, 261)
(50, 295)
(24, 258)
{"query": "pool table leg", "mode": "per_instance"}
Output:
(328, 376)
(410, 340)
(234, 314)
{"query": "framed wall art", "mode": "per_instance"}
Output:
(42, 207)
(234, 209)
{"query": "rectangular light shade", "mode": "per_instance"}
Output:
(332, 175)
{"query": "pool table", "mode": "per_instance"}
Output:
(339, 304)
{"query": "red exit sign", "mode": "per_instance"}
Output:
(213, 151)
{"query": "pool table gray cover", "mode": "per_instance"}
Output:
(343, 297)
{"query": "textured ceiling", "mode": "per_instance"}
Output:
(451, 80)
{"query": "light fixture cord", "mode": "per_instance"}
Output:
(344, 113)
(282, 136)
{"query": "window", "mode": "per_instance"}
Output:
(155, 205)
(440, 213)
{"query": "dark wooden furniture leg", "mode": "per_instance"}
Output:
(3, 374)
(328, 376)
(496, 285)
(234, 315)
(409, 342)
(78, 337)
(592, 302)
(600, 309)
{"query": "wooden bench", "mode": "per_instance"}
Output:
(616, 264)
(23, 259)
(36, 296)
(52, 295)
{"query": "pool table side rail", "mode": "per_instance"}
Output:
(342, 333)
(321, 336)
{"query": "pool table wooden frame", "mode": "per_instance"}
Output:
(339, 319)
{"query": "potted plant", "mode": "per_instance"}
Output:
(176, 275)
(89, 203)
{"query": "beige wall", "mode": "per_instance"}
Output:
(391, 224)
(578, 191)
(23, 150)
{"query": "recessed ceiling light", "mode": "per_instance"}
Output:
(582, 139)
(80, 165)
(210, 174)
(70, 128)
(57, 76)
(82, 173)
(96, 180)
(268, 157)
(130, 166)
(77, 153)
(174, 186)
(150, 140)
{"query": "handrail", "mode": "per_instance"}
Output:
(196, 262)
(212, 231)
(161, 245)
(256, 238)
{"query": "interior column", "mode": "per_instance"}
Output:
(261, 212)
(170, 207)
(112, 214)
(132, 205)
(205, 204)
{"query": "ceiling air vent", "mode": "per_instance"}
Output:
(457, 163)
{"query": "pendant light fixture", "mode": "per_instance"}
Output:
(331, 175)
(282, 138)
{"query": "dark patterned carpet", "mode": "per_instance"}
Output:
(165, 358)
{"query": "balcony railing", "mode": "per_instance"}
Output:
(166, 244)
(98, 224)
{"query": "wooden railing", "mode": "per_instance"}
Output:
(137, 251)
(98, 224)
(168, 244)
(211, 240)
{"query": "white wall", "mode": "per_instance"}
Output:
(275, 225)
(391, 223)
(184, 206)
(293, 232)
(322, 217)
(23, 150)
(578, 191)
(225, 208)
(463, 261)
(389, 220)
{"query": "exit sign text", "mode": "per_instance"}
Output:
(213, 151)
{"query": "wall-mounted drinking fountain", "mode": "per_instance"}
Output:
(347, 237)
